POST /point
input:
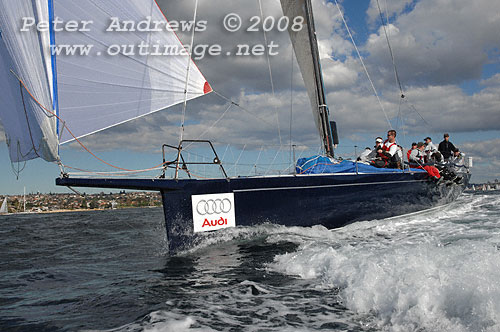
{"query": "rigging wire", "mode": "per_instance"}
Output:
(257, 161)
(241, 107)
(181, 136)
(28, 124)
(270, 72)
(396, 74)
(401, 119)
(17, 171)
(237, 161)
(274, 159)
(363, 64)
(411, 106)
(212, 126)
(398, 81)
(224, 155)
(393, 58)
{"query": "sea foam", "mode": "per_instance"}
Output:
(437, 273)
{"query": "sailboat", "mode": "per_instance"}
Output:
(4, 209)
(61, 99)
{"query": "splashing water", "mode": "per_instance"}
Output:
(434, 271)
(437, 272)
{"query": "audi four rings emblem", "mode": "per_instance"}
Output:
(213, 206)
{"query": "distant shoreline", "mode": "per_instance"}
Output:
(79, 210)
(59, 203)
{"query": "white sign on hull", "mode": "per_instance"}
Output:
(213, 212)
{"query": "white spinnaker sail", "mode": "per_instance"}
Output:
(99, 90)
(89, 92)
(30, 130)
(302, 47)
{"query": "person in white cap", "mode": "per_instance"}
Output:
(430, 148)
(373, 154)
(388, 152)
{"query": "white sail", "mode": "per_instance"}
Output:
(30, 130)
(89, 92)
(99, 90)
(4, 207)
(302, 47)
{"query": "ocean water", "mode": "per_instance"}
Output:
(110, 271)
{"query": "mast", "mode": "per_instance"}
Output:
(325, 127)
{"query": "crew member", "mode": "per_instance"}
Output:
(458, 161)
(458, 158)
(388, 151)
(430, 148)
(417, 157)
(399, 157)
(373, 154)
(446, 147)
(413, 147)
(436, 157)
(364, 156)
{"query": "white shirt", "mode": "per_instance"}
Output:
(364, 155)
(460, 160)
(400, 154)
(416, 156)
(430, 148)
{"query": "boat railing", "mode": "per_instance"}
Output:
(179, 163)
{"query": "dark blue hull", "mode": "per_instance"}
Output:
(332, 200)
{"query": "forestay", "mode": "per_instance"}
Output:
(115, 82)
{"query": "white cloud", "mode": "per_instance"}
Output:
(485, 149)
(439, 42)
(389, 8)
(486, 156)
(493, 81)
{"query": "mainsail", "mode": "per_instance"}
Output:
(120, 76)
(305, 46)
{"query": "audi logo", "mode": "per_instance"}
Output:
(213, 206)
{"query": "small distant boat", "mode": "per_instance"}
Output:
(4, 209)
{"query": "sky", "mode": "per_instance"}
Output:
(447, 55)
